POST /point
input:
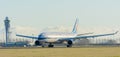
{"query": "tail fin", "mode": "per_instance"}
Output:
(75, 28)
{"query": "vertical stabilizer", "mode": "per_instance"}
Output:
(75, 28)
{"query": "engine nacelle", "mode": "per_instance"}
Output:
(70, 42)
(37, 42)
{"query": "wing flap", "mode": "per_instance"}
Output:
(92, 36)
(85, 34)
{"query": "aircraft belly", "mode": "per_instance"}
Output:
(51, 40)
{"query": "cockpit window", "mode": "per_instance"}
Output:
(41, 35)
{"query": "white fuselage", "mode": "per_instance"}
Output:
(54, 36)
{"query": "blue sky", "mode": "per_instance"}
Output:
(45, 13)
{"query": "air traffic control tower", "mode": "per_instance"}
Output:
(7, 29)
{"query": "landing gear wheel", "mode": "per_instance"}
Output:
(69, 45)
(50, 45)
(43, 46)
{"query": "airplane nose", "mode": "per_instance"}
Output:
(41, 36)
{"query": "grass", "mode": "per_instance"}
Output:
(61, 52)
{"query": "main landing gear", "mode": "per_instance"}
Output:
(50, 45)
(69, 45)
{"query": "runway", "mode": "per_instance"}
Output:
(60, 52)
(63, 46)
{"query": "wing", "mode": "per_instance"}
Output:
(27, 36)
(91, 36)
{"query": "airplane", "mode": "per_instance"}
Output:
(60, 37)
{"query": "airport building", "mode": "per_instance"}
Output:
(8, 40)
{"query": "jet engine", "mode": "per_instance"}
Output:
(37, 43)
(70, 42)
